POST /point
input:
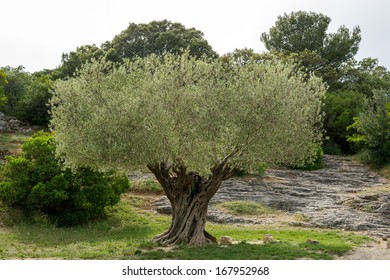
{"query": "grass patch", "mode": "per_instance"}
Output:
(301, 217)
(150, 186)
(330, 241)
(117, 237)
(242, 251)
(10, 143)
(290, 245)
(126, 232)
(246, 208)
(376, 190)
(384, 171)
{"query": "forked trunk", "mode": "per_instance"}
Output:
(189, 195)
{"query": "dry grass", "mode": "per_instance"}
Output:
(10, 144)
(375, 190)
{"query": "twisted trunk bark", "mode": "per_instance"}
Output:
(189, 195)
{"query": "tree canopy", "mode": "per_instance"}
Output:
(138, 40)
(179, 109)
(15, 88)
(307, 31)
(304, 38)
(365, 76)
(26, 95)
(74, 60)
(158, 37)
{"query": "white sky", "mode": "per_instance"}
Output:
(34, 33)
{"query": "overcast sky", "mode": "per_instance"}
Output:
(34, 33)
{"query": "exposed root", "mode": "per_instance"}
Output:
(196, 240)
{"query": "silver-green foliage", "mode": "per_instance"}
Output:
(177, 109)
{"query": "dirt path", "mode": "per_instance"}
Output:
(374, 251)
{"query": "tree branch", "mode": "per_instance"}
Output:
(230, 172)
(161, 172)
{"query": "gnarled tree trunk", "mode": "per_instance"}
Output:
(189, 195)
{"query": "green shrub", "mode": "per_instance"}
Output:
(36, 182)
(340, 109)
(373, 129)
(261, 168)
(241, 173)
(315, 164)
(331, 148)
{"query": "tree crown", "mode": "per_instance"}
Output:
(159, 37)
(180, 110)
(300, 31)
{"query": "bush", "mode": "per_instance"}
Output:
(37, 182)
(331, 148)
(340, 109)
(314, 164)
(259, 170)
(241, 173)
(373, 129)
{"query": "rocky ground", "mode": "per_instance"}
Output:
(343, 195)
(9, 124)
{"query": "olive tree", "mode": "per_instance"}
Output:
(193, 123)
